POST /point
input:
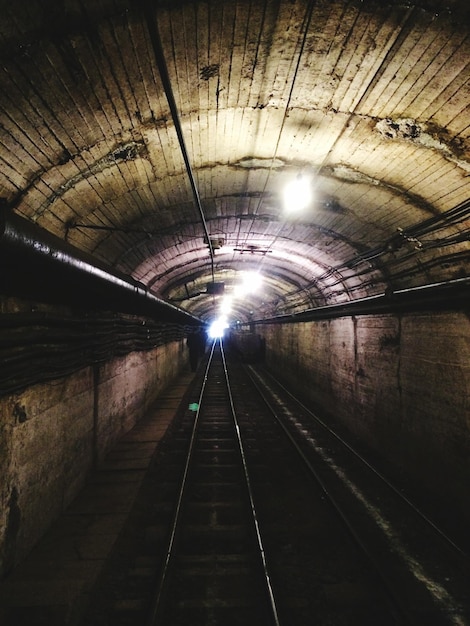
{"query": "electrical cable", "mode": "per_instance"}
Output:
(36, 348)
(155, 39)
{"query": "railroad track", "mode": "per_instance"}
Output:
(254, 513)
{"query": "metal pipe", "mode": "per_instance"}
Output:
(149, 11)
(443, 296)
(35, 263)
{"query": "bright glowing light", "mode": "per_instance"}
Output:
(297, 194)
(217, 328)
(226, 305)
(251, 282)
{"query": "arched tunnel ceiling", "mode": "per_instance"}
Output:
(369, 100)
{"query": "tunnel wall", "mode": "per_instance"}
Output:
(52, 434)
(398, 385)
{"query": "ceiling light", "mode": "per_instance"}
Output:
(251, 282)
(297, 194)
(226, 305)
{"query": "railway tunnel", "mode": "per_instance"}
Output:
(295, 170)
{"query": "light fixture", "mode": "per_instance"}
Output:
(217, 241)
(251, 282)
(226, 305)
(297, 194)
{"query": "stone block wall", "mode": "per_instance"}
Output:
(128, 385)
(399, 385)
(51, 434)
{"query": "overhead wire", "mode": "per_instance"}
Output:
(411, 234)
(412, 241)
(155, 39)
(377, 252)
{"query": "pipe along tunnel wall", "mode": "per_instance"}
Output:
(54, 431)
(398, 384)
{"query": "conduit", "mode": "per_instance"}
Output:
(37, 264)
(38, 347)
(149, 11)
(444, 296)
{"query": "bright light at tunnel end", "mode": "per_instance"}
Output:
(249, 283)
(218, 327)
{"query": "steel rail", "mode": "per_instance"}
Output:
(378, 474)
(170, 549)
(152, 620)
(262, 551)
(396, 601)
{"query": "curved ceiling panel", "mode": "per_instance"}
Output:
(159, 137)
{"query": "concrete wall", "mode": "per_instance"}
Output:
(399, 385)
(51, 435)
